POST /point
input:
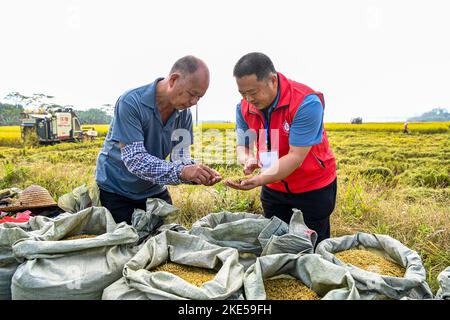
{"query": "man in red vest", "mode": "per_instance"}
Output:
(284, 120)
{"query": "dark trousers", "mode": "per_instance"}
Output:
(122, 207)
(316, 206)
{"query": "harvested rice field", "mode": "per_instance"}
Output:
(371, 261)
(288, 289)
(386, 184)
(194, 275)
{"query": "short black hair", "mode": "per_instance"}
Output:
(185, 66)
(256, 63)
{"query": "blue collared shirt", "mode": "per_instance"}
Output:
(140, 170)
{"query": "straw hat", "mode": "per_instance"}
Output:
(32, 197)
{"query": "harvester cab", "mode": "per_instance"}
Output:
(52, 125)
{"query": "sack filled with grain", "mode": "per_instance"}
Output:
(10, 233)
(79, 256)
(289, 276)
(176, 265)
(444, 285)
(253, 234)
(80, 198)
(382, 267)
(158, 217)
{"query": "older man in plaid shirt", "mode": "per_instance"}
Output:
(131, 166)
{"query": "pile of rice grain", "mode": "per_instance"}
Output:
(194, 275)
(370, 261)
(288, 289)
(237, 180)
(80, 236)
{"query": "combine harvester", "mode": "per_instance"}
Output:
(54, 125)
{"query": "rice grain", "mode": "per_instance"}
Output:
(288, 289)
(370, 261)
(194, 275)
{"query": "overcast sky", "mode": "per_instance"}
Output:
(382, 60)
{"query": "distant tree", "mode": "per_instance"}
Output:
(357, 120)
(435, 115)
(108, 108)
(10, 114)
(37, 100)
(93, 116)
(16, 103)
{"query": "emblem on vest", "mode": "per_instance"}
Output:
(286, 126)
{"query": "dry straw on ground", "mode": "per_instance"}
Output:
(288, 289)
(194, 275)
(371, 261)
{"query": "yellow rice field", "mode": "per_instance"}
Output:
(10, 135)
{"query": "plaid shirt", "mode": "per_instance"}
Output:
(147, 167)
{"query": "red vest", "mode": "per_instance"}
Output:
(319, 167)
